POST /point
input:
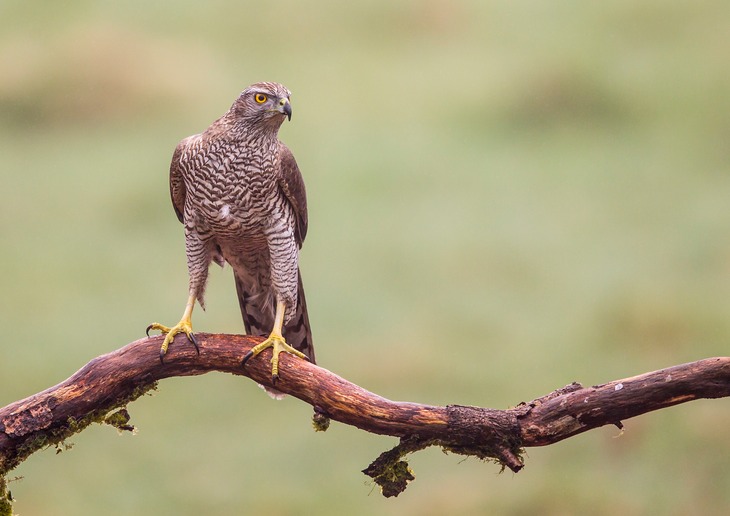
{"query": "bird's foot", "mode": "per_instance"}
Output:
(184, 326)
(279, 345)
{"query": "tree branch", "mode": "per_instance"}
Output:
(100, 391)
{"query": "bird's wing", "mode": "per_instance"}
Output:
(177, 185)
(292, 184)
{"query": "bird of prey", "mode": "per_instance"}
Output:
(240, 196)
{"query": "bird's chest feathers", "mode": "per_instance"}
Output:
(238, 185)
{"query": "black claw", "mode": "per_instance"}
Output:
(191, 338)
(147, 331)
(245, 358)
(162, 357)
(274, 378)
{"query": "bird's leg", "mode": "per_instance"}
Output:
(275, 341)
(184, 326)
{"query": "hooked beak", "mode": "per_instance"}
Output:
(285, 107)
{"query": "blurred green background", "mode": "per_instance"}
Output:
(504, 197)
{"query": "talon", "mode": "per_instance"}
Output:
(184, 326)
(276, 342)
(245, 358)
(278, 345)
(157, 326)
(191, 338)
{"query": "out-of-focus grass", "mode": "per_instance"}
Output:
(503, 199)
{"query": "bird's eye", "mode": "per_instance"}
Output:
(260, 98)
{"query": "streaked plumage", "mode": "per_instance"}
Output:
(240, 196)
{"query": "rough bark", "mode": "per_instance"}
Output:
(100, 391)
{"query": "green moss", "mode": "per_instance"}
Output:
(6, 500)
(392, 473)
(57, 434)
(119, 420)
(394, 479)
(63, 446)
(483, 453)
(31, 444)
(320, 422)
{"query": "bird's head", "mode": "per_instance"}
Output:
(263, 104)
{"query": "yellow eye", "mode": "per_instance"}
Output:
(260, 98)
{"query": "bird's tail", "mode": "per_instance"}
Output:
(258, 313)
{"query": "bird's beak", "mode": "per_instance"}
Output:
(285, 107)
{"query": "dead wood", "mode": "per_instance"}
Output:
(101, 390)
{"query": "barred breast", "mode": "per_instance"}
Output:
(236, 205)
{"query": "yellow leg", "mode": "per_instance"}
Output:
(275, 341)
(184, 326)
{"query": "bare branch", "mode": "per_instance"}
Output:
(101, 389)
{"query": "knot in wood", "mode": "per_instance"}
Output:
(484, 433)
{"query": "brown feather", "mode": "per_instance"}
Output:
(292, 184)
(177, 184)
